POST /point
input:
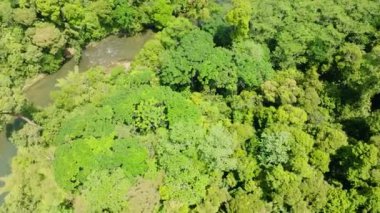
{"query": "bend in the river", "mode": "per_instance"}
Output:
(106, 52)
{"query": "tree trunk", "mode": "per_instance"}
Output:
(27, 120)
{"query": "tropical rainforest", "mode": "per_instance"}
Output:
(232, 106)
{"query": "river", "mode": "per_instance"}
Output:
(105, 53)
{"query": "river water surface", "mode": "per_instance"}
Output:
(108, 51)
(105, 53)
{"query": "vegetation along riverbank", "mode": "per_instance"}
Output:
(227, 106)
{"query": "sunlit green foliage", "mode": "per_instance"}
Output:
(109, 188)
(46, 36)
(32, 184)
(180, 65)
(253, 64)
(309, 32)
(25, 16)
(86, 122)
(217, 149)
(74, 162)
(6, 11)
(126, 17)
(11, 100)
(241, 106)
(160, 12)
(239, 17)
(274, 148)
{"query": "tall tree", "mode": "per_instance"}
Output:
(239, 17)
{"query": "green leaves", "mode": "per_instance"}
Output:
(149, 115)
(24, 16)
(218, 72)
(159, 12)
(337, 200)
(179, 66)
(353, 164)
(198, 65)
(253, 65)
(239, 16)
(75, 161)
(274, 148)
(46, 36)
(185, 181)
(32, 185)
(6, 11)
(11, 100)
(218, 148)
(49, 8)
(126, 17)
(172, 107)
(286, 189)
(202, 122)
(109, 188)
(87, 122)
(309, 33)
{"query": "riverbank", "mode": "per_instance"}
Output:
(32, 81)
(109, 52)
(112, 51)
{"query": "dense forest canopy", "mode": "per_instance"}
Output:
(233, 106)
